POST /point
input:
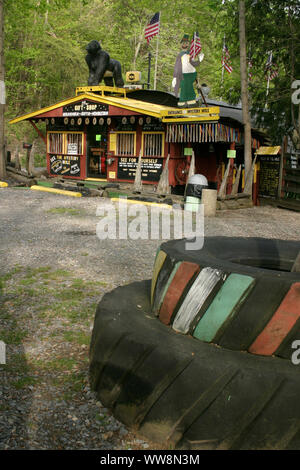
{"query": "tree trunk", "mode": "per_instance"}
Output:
(244, 88)
(2, 97)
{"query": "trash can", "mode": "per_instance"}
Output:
(193, 192)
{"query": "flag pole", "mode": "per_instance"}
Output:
(194, 46)
(223, 64)
(268, 82)
(156, 57)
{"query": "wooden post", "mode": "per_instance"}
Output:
(2, 97)
(138, 186)
(222, 190)
(192, 167)
(17, 160)
(249, 180)
(282, 154)
(236, 183)
(29, 158)
(231, 168)
(244, 88)
(163, 187)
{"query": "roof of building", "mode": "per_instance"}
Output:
(153, 106)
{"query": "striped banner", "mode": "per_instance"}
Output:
(205, 132)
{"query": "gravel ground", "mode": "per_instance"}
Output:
(53, 272)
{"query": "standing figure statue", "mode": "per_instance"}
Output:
(185, 74)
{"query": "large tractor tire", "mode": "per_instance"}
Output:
(212, 390)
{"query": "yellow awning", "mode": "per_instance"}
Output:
(165, 113)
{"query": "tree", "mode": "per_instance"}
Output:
(244, 90)
(2, 96)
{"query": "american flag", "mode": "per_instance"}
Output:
(226, 62)
(271, 68)
(195, 46)
(152, 28)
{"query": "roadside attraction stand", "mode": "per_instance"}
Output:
(101, 131)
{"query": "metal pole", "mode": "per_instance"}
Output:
(149, 69)
(222, 66)
(268, 82)
(156, 60)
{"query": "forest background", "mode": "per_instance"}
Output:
(45, 42)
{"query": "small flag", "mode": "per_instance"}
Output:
(195, 46)
(226, 62)
(152, 28)
(271, 69)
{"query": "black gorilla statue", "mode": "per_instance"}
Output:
(101, 66)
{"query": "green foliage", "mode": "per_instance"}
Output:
(271, 25)
(45, 44)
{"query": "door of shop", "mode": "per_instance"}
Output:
(96, 153)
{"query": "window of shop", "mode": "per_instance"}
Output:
(125, 143)
(153, 144)
(67, 143)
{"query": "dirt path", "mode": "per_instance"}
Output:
(53, 272)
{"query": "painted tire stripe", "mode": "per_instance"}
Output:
(183, 275)
(162, 279)
(253, 315)
(159, 261)
(165, 287)
(224, 306)
(280, 324)
(195, 298)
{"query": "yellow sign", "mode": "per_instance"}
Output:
(112, 174)
(113, 142)
(191, 114)
(268, 150)
(193, 111)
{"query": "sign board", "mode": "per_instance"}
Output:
(268, 150)
(65, 165)
(269, 175)
(231, 153)
(151, 168)
(72, 149)
(191, 114)
(85, 108)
